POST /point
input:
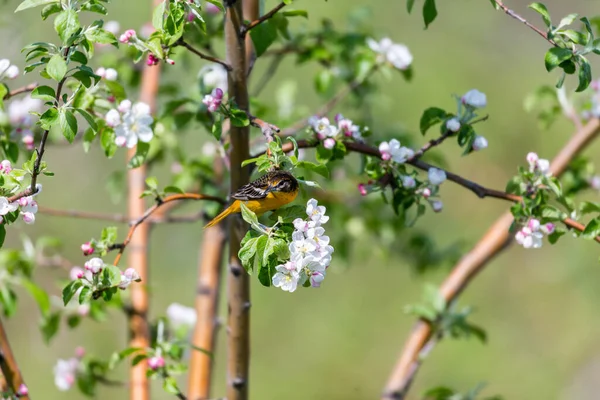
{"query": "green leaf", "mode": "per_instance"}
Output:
(152, 182)
(44, 93)
(109, 234)
(323, 80)
(575, 36)
(2, 234)
(587, 207)
(263, 36)
(107, 141)
(11, 152)
(543, 11)
(113, 274)
(568, 20)
(429, 12)
(320, 169)
(247, 252)
(49, 325)
(89, 118)
(592, 229)
(100, 36)
(248, 215)
(33, 3)
(67, 24)
(295, 13)
(173, 189)
(261, 245)
(68, 124)
(70, 289)
(39, 295)
(157, 16)
(585, 74)
(57, 67)
(409, 5)
(431, 117)
(220, 5)
(239, 118)
(141, 152)
(217, 128)
(170, 385)
(116, 89)
(555, 56)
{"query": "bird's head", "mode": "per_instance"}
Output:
(282, 181)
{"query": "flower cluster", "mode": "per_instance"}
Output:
(7, 70)
(65, 371)
(392, 150)
(93, 268)
(27, 206)
(328, 132)
(131, 123)
(531, 235)
(310, 252)
(128, 36)
(538, 165)
(396, 54)
(110, 74)
(213, 101)
(21, 119)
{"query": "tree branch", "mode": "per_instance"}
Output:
(516, 16)
(246, 28)
(207, 305)
(21, 90)
(160, 219)
(495, 240)
(8, 364)
(146, 215)
(183, 43)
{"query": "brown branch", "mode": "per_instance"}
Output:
(137, 320)
(155, 219)
(146, 215)
(267, 129)
(21, 90)
(238, 281)
(8, 364)
(329, 105)
(496, 239)
(207, 305)
(245, 28)
(183, 43)
(516, 16)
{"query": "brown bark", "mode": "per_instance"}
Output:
(10, 370)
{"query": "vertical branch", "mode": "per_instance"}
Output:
(238, 281)
(8, 364)
(207, 302)
(139, 333)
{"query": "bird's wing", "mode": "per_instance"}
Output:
(253, 190)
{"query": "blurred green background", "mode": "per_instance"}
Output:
(539, 307)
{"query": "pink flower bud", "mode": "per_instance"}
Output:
(156, 362)
(437, 205)
(594, 182)
(211, 8)
(5, 166)
(127, 36)
(124, 106)
(170, 61)
(329, 143)
(191, 17)
(362, 189)
(94, 265)
(111, 98)
(23, 201)
(28, 217)
(548, 228)
(338, 117)
(533, 224)
(532, 158)
(316, 278)
(408, 182)
(23, 390)
(76, 273)
(83, 310)
(218, 93)
(426, 192)
(87, 249)
(120, 141)
(28, 141)
(79, 352)
(152, 60)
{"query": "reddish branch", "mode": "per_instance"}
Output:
(495, 240)
(21, 90)
(8, 364)
(207, 57)
(207, 305)
(146, 215)
(256, 22)
(516, 16)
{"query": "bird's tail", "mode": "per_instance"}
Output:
(229, 210)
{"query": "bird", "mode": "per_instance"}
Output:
(269, 192)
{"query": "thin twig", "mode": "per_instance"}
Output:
(255, 23)
(491, 244)
(516, 16)
(183, 43)
(21, 90)
(176, 197)
(329, 105)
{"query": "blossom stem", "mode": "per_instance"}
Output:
(21, 90)
(496, 239)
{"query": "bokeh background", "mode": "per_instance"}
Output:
(539, 307)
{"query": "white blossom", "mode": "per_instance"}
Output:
(180, 315)
(112, 26)
(6, 207)
(436, 176)
(531, 235)
(437, 205)
(316, 212)
(136, 125)
(65, 373)
(7, 70)
(112, 118)
(480, 143)
(394, 151)
(408, 181)
(214, 76)
(287, 277)
(474, 98)
(453, 124)
(129, 276)
(396, 54)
